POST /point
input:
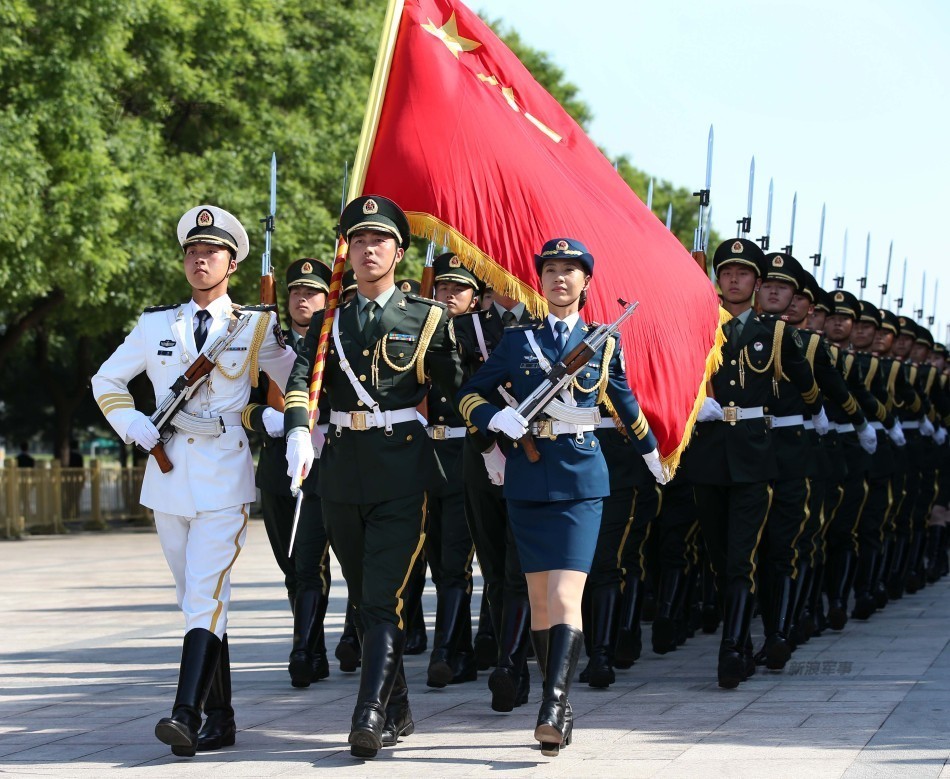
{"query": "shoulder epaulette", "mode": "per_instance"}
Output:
(420, 299)
(154, 309)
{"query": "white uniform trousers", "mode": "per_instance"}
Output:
(200, 552)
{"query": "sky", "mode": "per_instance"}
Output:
(846, 103)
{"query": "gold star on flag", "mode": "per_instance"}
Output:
(448, 33)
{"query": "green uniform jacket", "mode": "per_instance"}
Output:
(395, 367)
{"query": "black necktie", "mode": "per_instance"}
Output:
(507, 319)
(201, 329)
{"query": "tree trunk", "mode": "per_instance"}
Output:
(66, 399)
(41, 308)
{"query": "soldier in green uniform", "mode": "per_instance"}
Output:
(307, 571)
(378, 464)
(731, 459)
(936, 552)
(449, 546)
(483, 463)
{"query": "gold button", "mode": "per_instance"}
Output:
(441, 419)
(366, 352)
(163, 362)
(733, 424)
(732, 403)
(445, 400)
(507, 385)
(732, 382)
(527, 373)
(481, 359)
(362, 377)
(593, 443)
(732, 362)
(765, 409)
(240, 444)
(515, 444)
(191, 440)
(359, 403)
(409, 437)
(587, 375)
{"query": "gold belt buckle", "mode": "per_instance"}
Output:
(438, 433)
(545, 429)
(358, 420)
(730, 414)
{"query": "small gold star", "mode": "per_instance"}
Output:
(448, 33)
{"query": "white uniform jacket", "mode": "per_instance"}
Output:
(209, 473)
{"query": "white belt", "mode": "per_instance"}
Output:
(877, 425)
(212, 426)
(845, 428)
(734, 413)
(915, 425)
(552, 428)
(365, 420)
(792, 420)
(444, 432)
(607, 424)
(808, 424)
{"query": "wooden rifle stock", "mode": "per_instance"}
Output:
(158, 452)
(700, 257)
(530, 448)
(428, 281)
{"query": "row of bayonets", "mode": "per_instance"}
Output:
(744, 224)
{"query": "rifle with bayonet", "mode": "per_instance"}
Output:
(839, 280)
(765, 239)
(791, 233)
(745, 223)
(887, 275)
(275, 397)
(184, 388)
(821, 238)
(562, 374)
(863, 281)
(428, 273)
(699, 239)
(900, 300)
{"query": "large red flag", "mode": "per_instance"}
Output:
(485, 161)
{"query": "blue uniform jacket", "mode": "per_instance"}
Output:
(568, 469)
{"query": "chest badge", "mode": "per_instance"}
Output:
(758, 346)
(167, 343)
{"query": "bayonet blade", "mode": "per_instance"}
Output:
(669, 217)
(791, 234)
(867, 265)
(273, 184)
(768, 213)
(900, 300)
(709, 157)
(650, 195)
(844, 261)
(821, 229)
(747, 222)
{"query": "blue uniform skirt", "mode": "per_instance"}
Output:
(555, 535)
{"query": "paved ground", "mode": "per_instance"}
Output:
(90, 647)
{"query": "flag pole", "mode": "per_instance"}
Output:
(377, 91)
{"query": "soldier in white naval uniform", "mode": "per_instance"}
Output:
(201, 505)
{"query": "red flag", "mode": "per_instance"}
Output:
(485, 161)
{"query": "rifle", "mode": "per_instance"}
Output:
(900, 300)
(745, 223)
(887, 275)
(563, 373)
(765, 239)
(839, 280)
(821, 238)
(791, 233)
(275, 398)
(650, 195)
(699, 242)
(184, 388)
(863, 281)
(428, 273)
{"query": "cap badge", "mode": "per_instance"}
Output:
(455, 262)
(205, 218)
(737, 247)
(839, 297)
(405, 286)
(778, 262)
(306, 268)
(370, 207)
(561, 246)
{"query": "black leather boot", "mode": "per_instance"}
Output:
(732, 670)
(383, 645)
(895, 578)
(464, 666)
(348, 650)
(539, 640)
(669, 592)
(913, 578)
(864, 602)
(778, 645)
(306, 611)
(803, 624)
(555, 725)
(879, 577)
(837, 576)
(486, 644)
(604, 603)
(629, 633)
(199, 658)
(935, 534)
(219, 729)
(506, 681)
(416, 639)
(398, 715)
(453, 610)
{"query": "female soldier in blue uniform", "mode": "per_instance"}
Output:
(555, 504)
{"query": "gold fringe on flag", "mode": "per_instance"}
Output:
(484, 267)
(713, 362)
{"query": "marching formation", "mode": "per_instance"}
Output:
(813, 490)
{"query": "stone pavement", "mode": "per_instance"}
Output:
(89, 660)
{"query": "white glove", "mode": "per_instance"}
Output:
(300, 455)
(509, 422)
(143, 432)
(318, 439)
(868, 439)
(941, 436)
(273, 422)
(926, 426)
(652, 459)
(896, 434)
(710, 411)
(495, 465)
(820, 421)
